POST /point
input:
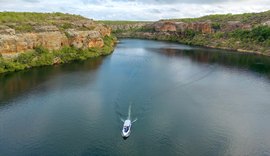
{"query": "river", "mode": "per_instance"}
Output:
(188, 101)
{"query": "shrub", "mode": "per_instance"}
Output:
(216, 26)
(190, 33)
(41, 50)
(258, 34)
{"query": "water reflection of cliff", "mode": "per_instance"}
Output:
(14, 84)
(255, 63)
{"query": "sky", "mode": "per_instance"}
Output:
(137, 9)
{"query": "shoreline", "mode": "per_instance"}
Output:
(32, 59)
(242, 51)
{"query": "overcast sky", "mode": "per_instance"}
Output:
(137, 9)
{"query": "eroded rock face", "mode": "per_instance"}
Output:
(50, 37)
(103, 30)
(204, 27)
(169, 26)
(82, 39)
(127, 27)
(165, 26)
(98, 42)
(85, 23)
(49, 28)
(28, 41)
(4, 30)
(233, 25)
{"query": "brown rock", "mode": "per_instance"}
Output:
(81, 39)
(168, 26)
(85, 34)
(129, 26)
(165, 26)
(203, 27)
(57, 60)
(49, 28)
(4, 30)
(181, 26)
(103, 30)
(233, 25)
(28, 41)
(96, 43)
(85, 23)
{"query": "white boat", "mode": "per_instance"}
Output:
(127, 125)
(126, 129)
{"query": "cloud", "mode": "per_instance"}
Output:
(31, 1)
(137, 9)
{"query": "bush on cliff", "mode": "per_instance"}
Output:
(259, 35)
(190, 33)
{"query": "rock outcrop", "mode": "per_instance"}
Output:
(233, 25)
(85, 39)
(50, 37)
(165, 26)
(129, 26)
(204, 27)
(170, 26)
(51, 31)
(28, 41)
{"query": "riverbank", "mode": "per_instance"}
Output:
(43, 57)
(160, 37)
(242, 32)
(38, 39)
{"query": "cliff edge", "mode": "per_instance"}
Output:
(23, 34)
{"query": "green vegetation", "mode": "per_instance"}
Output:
(42, 57)
(243, 32)
(26, 21)
(121, 22)
(134, 30)
(256, 39)
(258, 34)
(22, 17)
(250, 18)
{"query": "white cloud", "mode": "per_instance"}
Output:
(136, 9)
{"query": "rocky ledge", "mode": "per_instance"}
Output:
(80, 33)
(37, 39)
(51, 38)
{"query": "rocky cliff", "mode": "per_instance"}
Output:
(37, 39)
(205, 27)
(79, 32)
(243, 32)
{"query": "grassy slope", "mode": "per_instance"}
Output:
(250, 18)
(120, 22)
(25, 21)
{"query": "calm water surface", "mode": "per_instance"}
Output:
(188, 101)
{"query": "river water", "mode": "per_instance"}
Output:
(188, 101)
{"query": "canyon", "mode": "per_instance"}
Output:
(53, 38)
